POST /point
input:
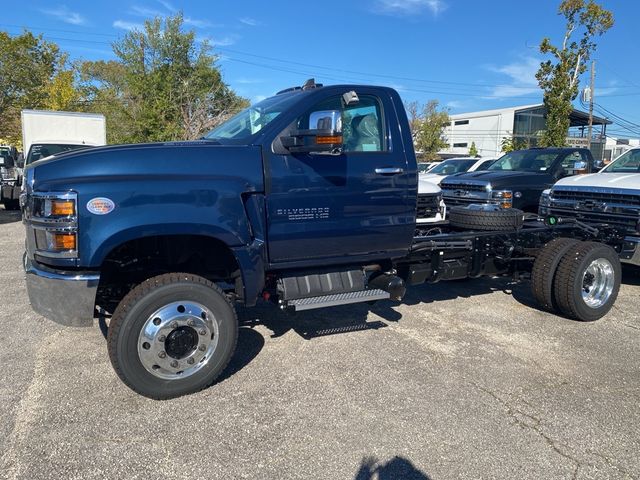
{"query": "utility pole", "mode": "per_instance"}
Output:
(591, 95)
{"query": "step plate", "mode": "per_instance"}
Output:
(310, 303)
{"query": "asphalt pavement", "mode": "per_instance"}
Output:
(463, 380)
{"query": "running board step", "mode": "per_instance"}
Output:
(310, 303)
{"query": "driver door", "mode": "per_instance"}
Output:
(341, 207)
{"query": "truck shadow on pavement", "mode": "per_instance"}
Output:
(396, 468)
(9, 216)
(352, 318)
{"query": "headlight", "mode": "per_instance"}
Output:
(545, 198)
(54, 218)
(503, 197)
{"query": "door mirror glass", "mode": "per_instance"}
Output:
(324, 135)
(326, 120)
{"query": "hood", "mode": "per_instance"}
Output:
(197, 159)
(426, 186)
(499, 177)
(606, 180)
(433, 178)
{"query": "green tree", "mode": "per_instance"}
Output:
(509, 144)
(473, 150)
(559, 77)
(27, 66)
(162, 87)
(427, 123)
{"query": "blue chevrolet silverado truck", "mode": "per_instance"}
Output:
(307, 199)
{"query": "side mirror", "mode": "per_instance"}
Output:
(597, 165)
(324, 135)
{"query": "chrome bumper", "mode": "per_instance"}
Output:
(631, 251)
(67, 298)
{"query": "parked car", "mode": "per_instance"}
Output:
(10, 175)
(430, 207)
(424, 167)
(517, 178)
(455, 165)
(611, 196)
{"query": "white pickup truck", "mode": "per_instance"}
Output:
(610, 196)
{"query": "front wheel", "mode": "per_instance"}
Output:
(172, 335)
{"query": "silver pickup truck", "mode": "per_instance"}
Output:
(610, 196)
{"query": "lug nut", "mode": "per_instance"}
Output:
(190, 361)
(162, 338)
(191, 323)
(174, 324)
(174, 364)
(162, 354)
(202, 331)
(202, 347)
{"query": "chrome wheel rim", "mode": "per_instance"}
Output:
(597, 283)
(178, 340)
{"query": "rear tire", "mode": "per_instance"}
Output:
(587, 281)
(172, 335)
(544, 271)
(487, 220)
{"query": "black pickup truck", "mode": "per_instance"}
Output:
(517, 179)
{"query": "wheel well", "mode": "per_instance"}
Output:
(135, 261)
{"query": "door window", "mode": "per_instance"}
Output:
(574, 164)
(362, 123)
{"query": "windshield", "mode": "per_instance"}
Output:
(525, 161)
(43, 150)
(449, 167)
(423, 167)
(628, 162)
(249, 122)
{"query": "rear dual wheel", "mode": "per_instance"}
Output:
(579, 279)
(172, 335)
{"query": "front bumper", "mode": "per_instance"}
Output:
(67, 298)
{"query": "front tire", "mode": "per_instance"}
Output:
(587, 281)
(172, 335)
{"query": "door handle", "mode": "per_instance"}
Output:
(389, 170)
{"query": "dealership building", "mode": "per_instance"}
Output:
(489, 128)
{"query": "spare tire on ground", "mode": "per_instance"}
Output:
(469, 218)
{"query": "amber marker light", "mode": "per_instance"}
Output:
(63, 208)
(327, 140)
(64, 241)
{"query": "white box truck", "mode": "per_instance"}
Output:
(46, 133)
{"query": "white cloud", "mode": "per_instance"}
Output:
(146, 12)
(124, 25)
(522, 75)
(223, 41)
(167, 5)
(63, 13)
(249, 81)
(252, 22)
(197, 22)
(454, 104)
(410, 7)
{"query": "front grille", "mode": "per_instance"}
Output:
(598, 196)
(597, 207)
(462, 201)
(428, 205)
(464, 186)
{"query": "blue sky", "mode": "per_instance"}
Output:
(470, 55)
